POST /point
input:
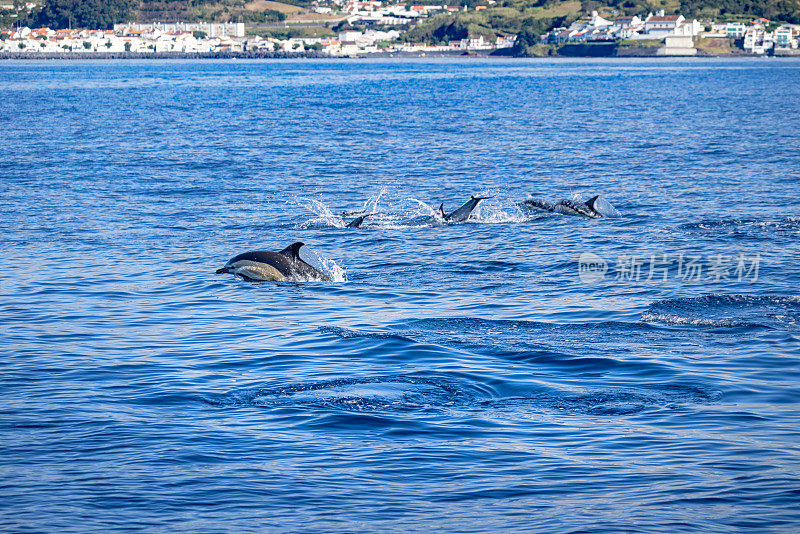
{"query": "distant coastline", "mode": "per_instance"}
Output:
(576, 51)
(652, 36)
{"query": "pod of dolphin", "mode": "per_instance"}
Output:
(287, 266)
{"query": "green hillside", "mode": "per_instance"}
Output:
(511, 18)
(779, 10)
(249, 12)
(528, 17)
(95, 14)
(103, 14)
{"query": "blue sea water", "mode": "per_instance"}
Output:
(461, 377)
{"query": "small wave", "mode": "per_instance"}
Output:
(346, 333)
(402, 393)
(727, 311)
(629, 347)
(380, 393)
(613, 401)
(788, 226)
(711, 224)
(488, 328)
(677, 320)
(569, 347)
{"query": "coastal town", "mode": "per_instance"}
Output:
(209, 38)
(679, 33)
(375, 27)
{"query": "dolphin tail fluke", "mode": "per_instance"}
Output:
(441, 210)
(293, 250)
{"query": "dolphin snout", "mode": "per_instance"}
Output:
(222, 271)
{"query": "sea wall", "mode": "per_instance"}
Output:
(636, 51)
(588, 50)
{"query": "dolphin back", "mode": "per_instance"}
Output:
(463, 213)
(572, 207)
(537, 204)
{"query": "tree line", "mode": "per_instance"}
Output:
(95, 14)
(103, 14)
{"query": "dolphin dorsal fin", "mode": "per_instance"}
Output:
(591, 201)
(357, 222)
(293, 250)
(441, 209)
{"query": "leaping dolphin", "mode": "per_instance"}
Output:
(462, 213)
(586, 209)
(283, 266)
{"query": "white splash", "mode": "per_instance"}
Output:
(371, 205)
(498, 211)
(325, 217)
(335, 272)
(410, 212)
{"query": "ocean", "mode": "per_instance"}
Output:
(521, 371)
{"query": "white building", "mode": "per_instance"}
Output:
(350, 35)
(756, 41)
(505, 42)
(598, 21)
(227, 29)
(627, 22)
(785, 37)
(735, 30)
